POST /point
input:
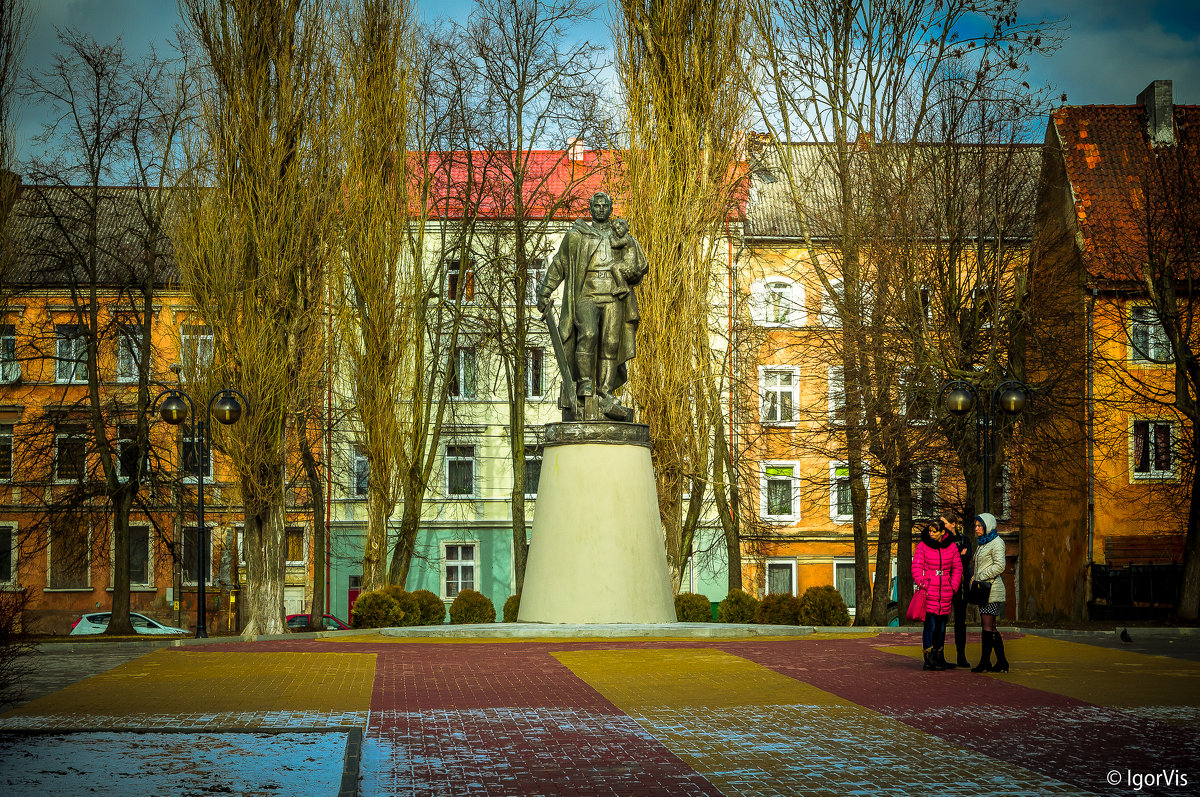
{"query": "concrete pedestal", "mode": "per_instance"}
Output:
(597, 552)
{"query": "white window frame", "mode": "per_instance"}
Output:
(186, 560)
(10, 528)
(137, 585)
(790, 297)
(187, 473)
(359, 487)
(10, 366)
(1003, 508)
(453, 287)
(70, 354)
(763, 478)
(473, 460)
(50, 565)
(58, 438)
(1153, 474)
(7, 434)
(935, 485)
(445, 569)
(764, 373)
(535, 389)
(835, 390)
(129, 348)
(533, 454)
(303, 546)
(828, 316)
(197, 338)
(1157, 343)
(463, 389)
(833, 502)
(790, 563)
(535, 274)
(122, 440)
(842, 561)
(908, 385)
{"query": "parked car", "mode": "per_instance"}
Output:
(299, 622)
(97, 622)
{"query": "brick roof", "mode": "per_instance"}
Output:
(1118, 179)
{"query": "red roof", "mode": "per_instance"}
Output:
(1118, 179)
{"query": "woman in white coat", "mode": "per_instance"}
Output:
(989, 569)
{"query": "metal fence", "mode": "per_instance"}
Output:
(1134, 591)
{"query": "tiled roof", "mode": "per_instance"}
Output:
(1118, 179)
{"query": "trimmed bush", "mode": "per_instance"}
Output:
(407, 603)
(778, 609)
(512, 607)
(433, 609)
(472, 607)
(823, 606)
(692, 608)
(738, 607)
(376, 609)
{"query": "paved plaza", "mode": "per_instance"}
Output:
(815, 714)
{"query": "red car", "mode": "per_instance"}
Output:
(299, 622)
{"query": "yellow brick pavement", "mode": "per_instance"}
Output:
(751, 730)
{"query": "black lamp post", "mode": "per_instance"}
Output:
(174, 410)
(1011, 397)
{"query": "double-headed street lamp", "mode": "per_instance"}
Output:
(174, 410)
(1011, 397)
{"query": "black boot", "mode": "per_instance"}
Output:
(939, 655)
(928, 665)
(985, 658)
(1001, 664)
(962, 656)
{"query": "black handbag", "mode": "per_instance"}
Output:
(979, 592)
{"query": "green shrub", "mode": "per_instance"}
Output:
(472, 607)
(407, 603)
(692, 608)
(433, 609)
(778, 609)
(376, 609)
(738, 607)
(512, 608)
(823, 606)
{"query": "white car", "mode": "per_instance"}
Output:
(96, 622)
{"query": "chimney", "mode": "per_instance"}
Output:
(1160, 113)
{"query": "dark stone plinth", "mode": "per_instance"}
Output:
(611, 432)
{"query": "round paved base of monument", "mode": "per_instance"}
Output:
(569, 432)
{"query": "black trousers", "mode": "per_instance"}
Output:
(959, 608)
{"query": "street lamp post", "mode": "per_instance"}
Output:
(174, 410)
(1011, 397)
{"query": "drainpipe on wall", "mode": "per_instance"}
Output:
(1091, 459)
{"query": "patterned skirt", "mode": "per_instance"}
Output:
(995, 607)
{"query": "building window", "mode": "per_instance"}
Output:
(10, 367)
(915, 398)
(70, 363)
(841, 504)
(462, 374)
(293, 543)
(843, 580)
(1149, 340)
(535, 383)
(1152, 450)
(460, 282)
(533, 471)
(781, 577)
(460, 471)
(777, 302)
(829, 311)
(924, 483)
(196, 453)
(140, 573)
(188, 563)
(129, 353)
(128, 453)
(779, 395)
(535, 275)
(459, 566)
(837, 394)
(8, 556)
(6, 451)
(1003, 492)
(362, 472)
(70, 447)
(196, 349)
(779, 499)
(70, 557)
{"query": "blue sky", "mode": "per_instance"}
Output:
(1114, 48)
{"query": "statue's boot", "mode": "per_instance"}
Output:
(584, 362)
(610, 406)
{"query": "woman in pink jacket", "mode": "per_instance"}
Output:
(937, 569)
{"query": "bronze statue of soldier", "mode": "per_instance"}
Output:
(598, 263)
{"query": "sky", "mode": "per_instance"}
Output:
(1113, 48)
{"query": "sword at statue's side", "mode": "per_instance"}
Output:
(560, 354)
